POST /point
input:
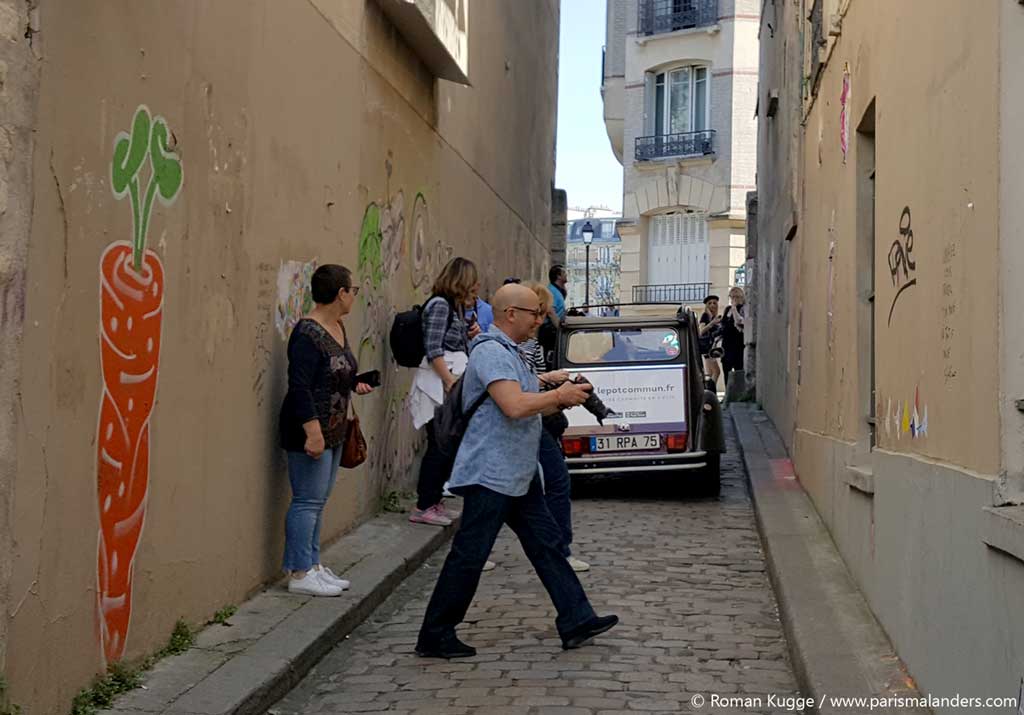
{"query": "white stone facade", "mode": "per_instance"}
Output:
(714, 184)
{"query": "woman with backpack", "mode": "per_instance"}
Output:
(446, 337)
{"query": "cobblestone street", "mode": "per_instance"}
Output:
(686, 576)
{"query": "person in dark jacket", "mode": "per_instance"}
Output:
(732, 333)
(314, 417)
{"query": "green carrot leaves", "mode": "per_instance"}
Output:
(149, 138)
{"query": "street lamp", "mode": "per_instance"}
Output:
(588, 237)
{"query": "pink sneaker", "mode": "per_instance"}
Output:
(451, 514)
(433, 516)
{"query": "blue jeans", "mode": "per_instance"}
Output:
(483, 513)
(557, 487)
(312, 481)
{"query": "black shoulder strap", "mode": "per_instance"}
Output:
(483, 398)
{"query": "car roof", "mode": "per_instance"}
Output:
(612, 321)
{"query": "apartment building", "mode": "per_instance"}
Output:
(679, 83)
(890, 349)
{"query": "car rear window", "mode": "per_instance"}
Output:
(617, 345)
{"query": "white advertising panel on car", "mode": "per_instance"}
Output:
(638, 395)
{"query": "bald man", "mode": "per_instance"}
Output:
(496, 474)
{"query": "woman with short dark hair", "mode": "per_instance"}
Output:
(446, 339)
(314, 417)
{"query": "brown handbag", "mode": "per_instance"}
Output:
(354, 451)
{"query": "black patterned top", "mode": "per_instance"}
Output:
(321, 376)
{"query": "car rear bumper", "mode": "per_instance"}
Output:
(625, 463)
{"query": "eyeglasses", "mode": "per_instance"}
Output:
(535, 312)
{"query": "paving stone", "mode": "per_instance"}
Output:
(686, 577)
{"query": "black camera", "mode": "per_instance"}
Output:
(593, 405)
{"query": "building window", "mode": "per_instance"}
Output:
(680, 101)
(677, 249)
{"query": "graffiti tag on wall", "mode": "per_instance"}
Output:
(131, 313)
(844, 113)
(382, 252)
(902, 266)
(949, 311)
(294, 295)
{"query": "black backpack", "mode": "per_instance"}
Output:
(451, 420)
(406, 336)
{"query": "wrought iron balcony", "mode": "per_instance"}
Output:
(687, 144)
(658, 16)
(674, 293)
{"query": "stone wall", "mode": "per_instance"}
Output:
(20, 54)
(187, 177)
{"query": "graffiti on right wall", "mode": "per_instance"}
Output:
(902, 265)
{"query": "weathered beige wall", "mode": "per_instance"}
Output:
(911, 516)
(19, 84)
(948, 180)
(306, 130)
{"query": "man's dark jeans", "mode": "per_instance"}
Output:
(434, 472)
(557, 487)
(483, 513)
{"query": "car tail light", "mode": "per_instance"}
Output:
(573, 446)
(676, 442)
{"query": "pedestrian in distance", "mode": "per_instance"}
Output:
(708, 334)
(732, 333)
(480, 311)
(314, 416)
(557, 280)
(446, 337)
(547, 335)
(495, 472)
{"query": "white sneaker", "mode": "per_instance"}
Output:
(578, 565)
(313, 585)
(445, 493)
(330, 577)
(489, 565)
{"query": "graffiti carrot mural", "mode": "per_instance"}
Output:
(131, 308)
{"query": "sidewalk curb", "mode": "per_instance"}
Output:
(275, 638)
(837, 647)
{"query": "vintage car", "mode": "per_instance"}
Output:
(648, 371)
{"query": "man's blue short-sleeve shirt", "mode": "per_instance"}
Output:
(497, 452)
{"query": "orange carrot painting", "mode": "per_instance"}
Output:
(131, 311)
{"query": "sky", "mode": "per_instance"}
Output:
(585, 165)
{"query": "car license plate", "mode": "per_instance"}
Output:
(624, 442)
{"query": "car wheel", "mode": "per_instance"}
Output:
(710, 481)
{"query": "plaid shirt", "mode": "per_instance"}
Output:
(438, 336)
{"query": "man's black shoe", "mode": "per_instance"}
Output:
(448, 647)
(580, 635)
